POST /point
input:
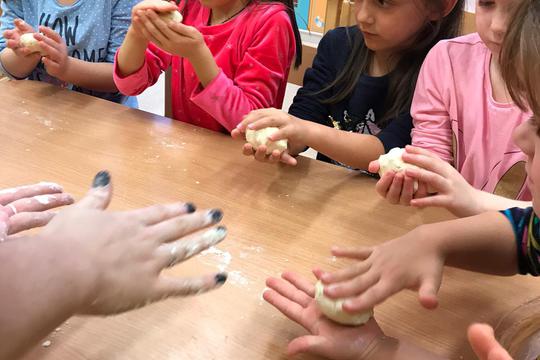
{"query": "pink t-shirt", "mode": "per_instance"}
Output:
(254, 52)
(456, 117)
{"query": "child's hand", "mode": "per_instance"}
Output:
(485, 345)
(294, 297)
(25, 207)
(177, 39)
(137, 25)
(13, 38)
(412, 261)
(290, 128)
(55, 52)
(453, 192)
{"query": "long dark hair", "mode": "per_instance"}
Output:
(403, 77)
(289, 4)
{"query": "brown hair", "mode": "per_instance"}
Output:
(520, 57)
(403, 77)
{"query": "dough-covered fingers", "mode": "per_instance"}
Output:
(175, 228)
(9, 195)
(29, 220)
(177, 251)
(174, 287)
(39, 203)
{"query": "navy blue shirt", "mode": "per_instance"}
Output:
(362, 110)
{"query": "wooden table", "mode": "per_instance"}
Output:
(279, 218)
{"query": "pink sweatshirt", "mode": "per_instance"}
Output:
(456, 117)
(254, 52)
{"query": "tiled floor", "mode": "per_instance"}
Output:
(153, 100)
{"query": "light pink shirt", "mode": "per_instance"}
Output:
(456, 117)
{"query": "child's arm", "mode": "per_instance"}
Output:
(453, 192)
(293, 296)
(15, 61)
(483, 243)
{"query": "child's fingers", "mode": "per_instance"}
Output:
(422, 191)
(29, 220)
(394, 192)
(152, 28)
(287, 159)
(371, 297)
(352, 287)
(263, 122)
(300, 283)
(429, 163)
(274, 157)
(357, 253)
(347, 273)
(427, 294)
(184, 30)
(431, 201)
(374, 166)
(418, 150)
(248, 150)
(22, 26)
(237, 134)
(485, 346)
(50, 33)
(407, 192)
(282, 134)
(158, 6)
(383, 185)
(160, 25)
(434, 181)
(260, 154)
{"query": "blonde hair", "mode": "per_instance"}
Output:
(519, 331)
(520, 56)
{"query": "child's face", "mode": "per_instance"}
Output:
(492, 19)
(390, 25)
(528, 140)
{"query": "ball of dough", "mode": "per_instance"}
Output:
(333, 309)
(28, 41)
(173, 16)
(260, 137)
(394, 161)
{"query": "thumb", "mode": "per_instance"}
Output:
(484, 344)
(100, 194)
(309, 344)
(427, 294)
(374, 166)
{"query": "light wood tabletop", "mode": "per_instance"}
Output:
(278, 218)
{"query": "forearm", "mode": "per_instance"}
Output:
(205, 66)
(90, 75)
(19, 66)
(353, 149)
(491, 202)
(483, 243)
(131, 54)
(37, 294)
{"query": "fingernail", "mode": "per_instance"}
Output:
(216, 215)
(221, 278)
(102, 179)
(191, 208)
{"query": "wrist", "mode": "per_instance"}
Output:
(133, 35)
(75, 274)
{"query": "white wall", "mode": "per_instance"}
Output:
(470, 5)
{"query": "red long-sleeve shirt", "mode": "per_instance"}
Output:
(254, 52)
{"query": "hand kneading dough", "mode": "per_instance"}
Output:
(28, 41)
(394, 161)
(333, 309)
(260, 137)
(173, 16)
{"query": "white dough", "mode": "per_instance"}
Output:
(394, 161)
(333, 309)
(260, 137)
(173, 16)
(28, 41)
